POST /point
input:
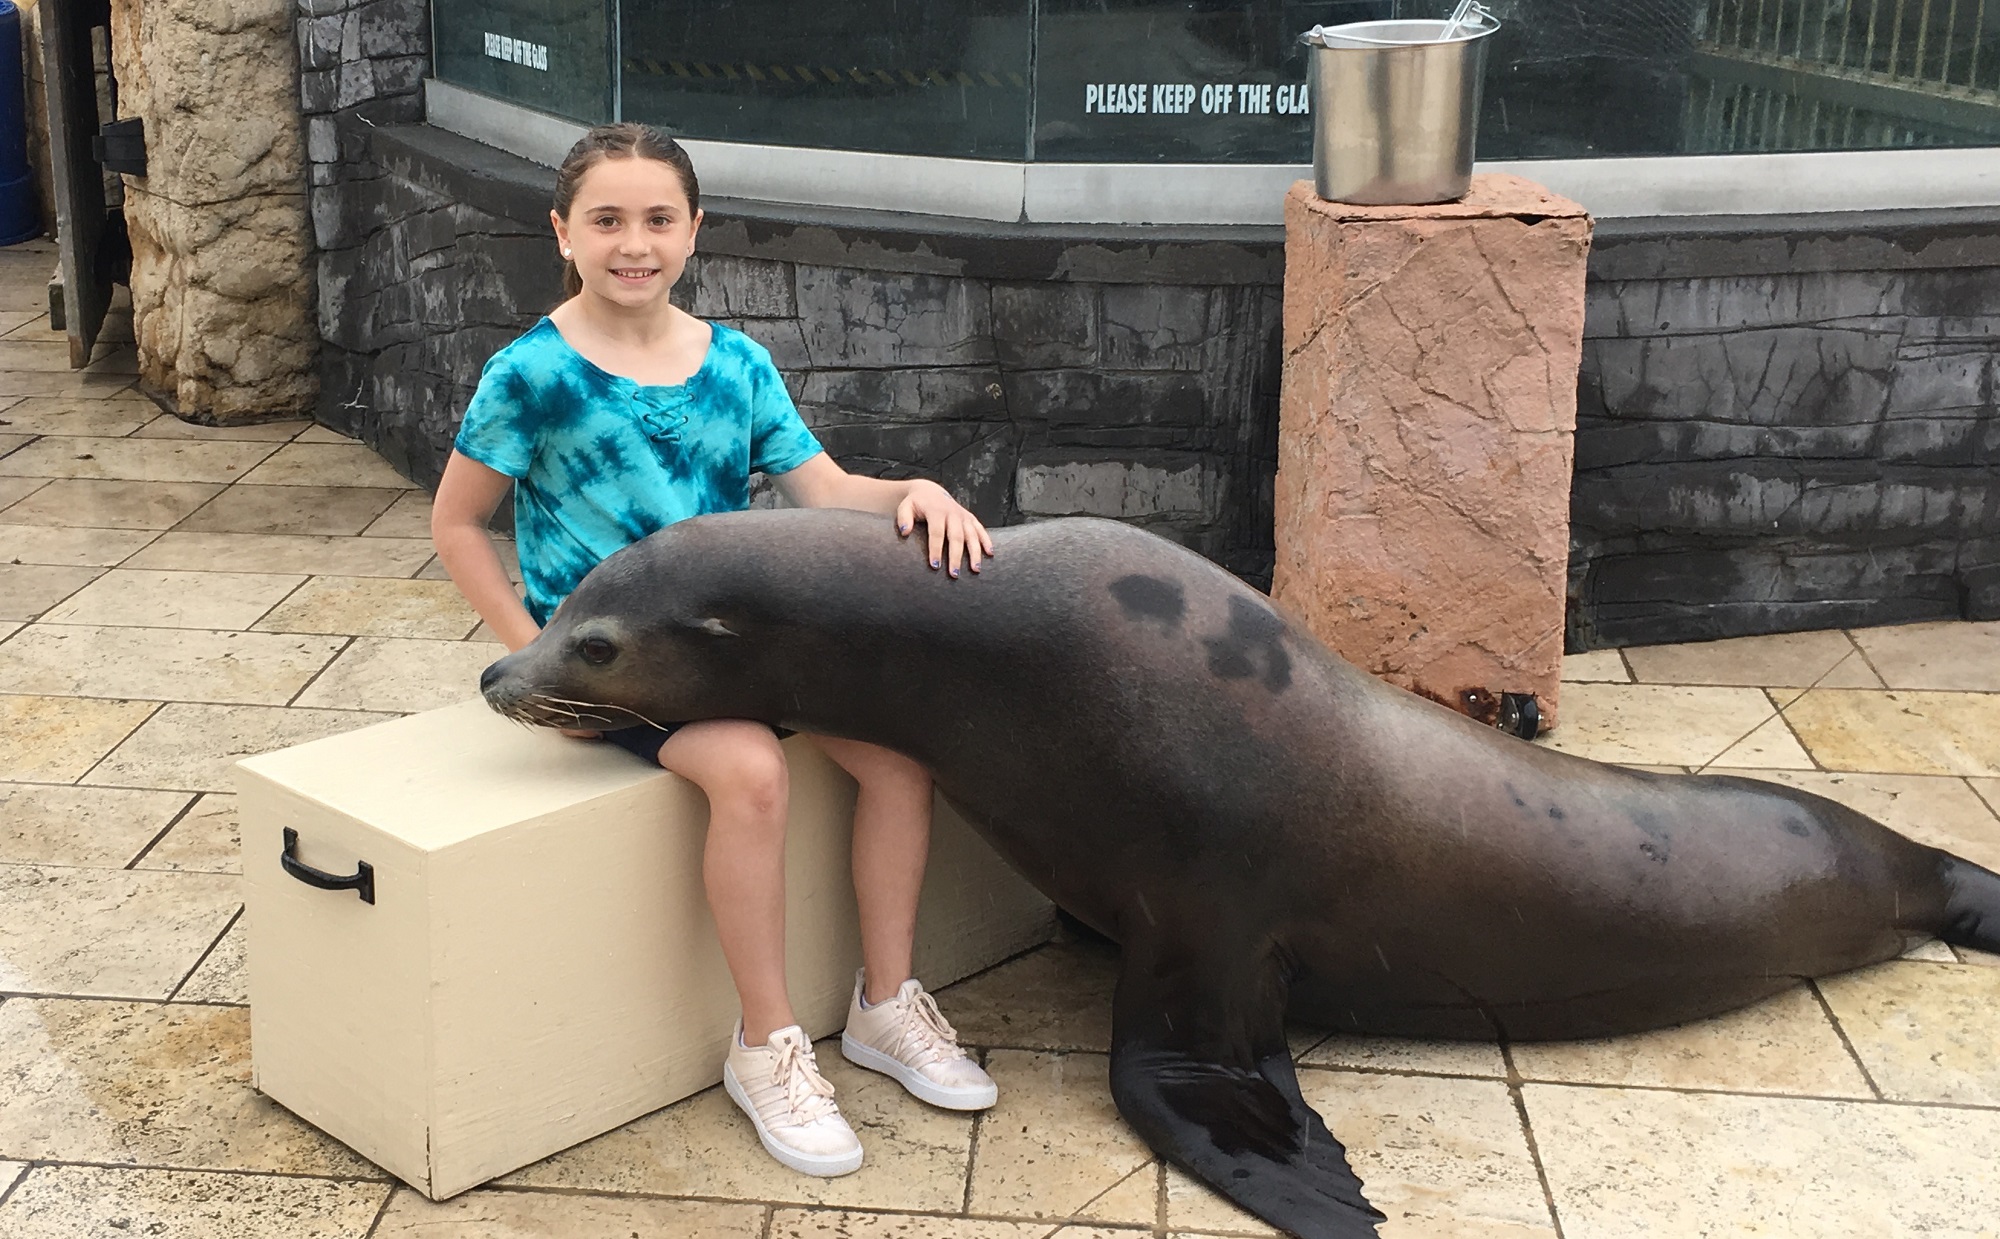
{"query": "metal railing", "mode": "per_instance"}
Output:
(1940, 45)
(1834, 74)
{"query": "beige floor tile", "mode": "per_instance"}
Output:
(1931, 952)
(100, 826)
(485, 635)
(408, 517)
(311, 555)
(45, 355)
(1656, 724)
(1640, 1164)
(1925, 1032)
(9, 443)
(9, 627)
(1989, 791)
(192, 745)
(11, 320)
(13, 490)
(1137, 1195)
(1057, 997)
(221, 977)
(1771, 747)
(316, 433)
(375, 607)
(1054, 1143)
(57, 739)
(1598, 666)
(86, 1202)
(106, 932)
(27, 590)
(848, 1224)
(303, 463)
(169, 427)
(245, 508)
(10, 1174)
(1935, 809)
(1193, 1206)
(64, 383)
(1445, 1159)
(1952, 656)
(35, 328)
(1976, 959)
(157, 1085)
(1452, 1058)
(205, 840)
(138, 460)
(54, 415)
(71, 548)
(123, 359)
(916, 1155)
(539, 1215)
(1899, 732)
(1793, 658)
(1782, 1045)
(169, 664)
(148, 598)
(392, 673)
(108, 504)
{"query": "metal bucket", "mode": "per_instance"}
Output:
(1395, 106)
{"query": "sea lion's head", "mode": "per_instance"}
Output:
(658, 633)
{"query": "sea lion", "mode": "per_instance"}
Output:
(1262, 827)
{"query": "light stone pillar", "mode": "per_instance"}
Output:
(222, 297)
(1425, 432)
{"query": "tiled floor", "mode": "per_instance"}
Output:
(175, 597)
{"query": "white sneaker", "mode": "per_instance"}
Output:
(907, 1039)
(779, 1086)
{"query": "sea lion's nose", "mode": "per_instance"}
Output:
(489, 677)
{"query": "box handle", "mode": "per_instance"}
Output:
(361, 881)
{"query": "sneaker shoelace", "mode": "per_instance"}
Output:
(807, 1092)
(927, 1033)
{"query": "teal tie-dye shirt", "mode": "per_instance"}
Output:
(600, 461)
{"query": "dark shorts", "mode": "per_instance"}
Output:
(645, 741)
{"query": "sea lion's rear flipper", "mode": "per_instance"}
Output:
(1202, 1073)
(1972, 906)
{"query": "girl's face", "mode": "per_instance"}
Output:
(629, 231)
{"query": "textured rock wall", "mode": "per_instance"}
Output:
(221, 258)
(1791, 427)
(38, 108)
(1424, 435)
(1035, 374)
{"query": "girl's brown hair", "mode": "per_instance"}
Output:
(628, 140)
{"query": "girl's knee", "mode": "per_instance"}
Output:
(740, 767)
(888, 773)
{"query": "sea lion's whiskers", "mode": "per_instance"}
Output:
(602, 705)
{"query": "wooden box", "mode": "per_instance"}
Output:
(538, 964)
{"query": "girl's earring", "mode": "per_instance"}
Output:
(565, 253)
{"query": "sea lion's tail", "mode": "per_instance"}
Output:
(1972, 905)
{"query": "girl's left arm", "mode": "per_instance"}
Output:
(956, 536)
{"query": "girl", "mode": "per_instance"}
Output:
(618, 414)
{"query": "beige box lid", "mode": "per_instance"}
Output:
(437, 778)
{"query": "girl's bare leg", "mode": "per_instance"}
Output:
(741, 768)
(892, 836)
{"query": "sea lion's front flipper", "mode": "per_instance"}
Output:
(1202, 1073)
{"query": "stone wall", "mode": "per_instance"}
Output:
(1783, 424)
(1787, 424)
(1130, 373)
(221, 258)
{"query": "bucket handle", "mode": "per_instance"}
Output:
(1478, 21)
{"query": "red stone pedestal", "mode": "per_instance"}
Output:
(1425, 433)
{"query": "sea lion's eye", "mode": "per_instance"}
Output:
(596, 650)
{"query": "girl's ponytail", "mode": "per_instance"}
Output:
(627, 140)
